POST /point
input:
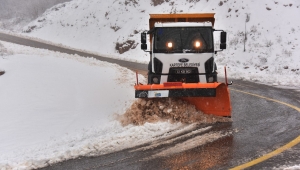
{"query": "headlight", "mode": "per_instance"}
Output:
(155, 80)
(170, 45)
(197, 44)
(210, 79)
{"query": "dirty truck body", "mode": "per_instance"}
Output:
(182, 62)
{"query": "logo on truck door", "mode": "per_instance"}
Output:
(183, 60)
(185, 65)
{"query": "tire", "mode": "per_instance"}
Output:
(215, 78)
(149, 72)
(150, 67)
(216, 74)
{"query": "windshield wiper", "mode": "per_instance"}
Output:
(203, 40)
(181, 45)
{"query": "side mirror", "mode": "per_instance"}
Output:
(143, 41)
(223, 37)
(144, 46)
(223, 40)
(222, 46)
(143, 38)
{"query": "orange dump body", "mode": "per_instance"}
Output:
(190, 17)
(210, 98)
(202, 17)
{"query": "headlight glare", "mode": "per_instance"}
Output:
(197, 44)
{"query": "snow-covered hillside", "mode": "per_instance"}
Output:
(113, 28)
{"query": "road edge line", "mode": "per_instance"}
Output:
(278, 150)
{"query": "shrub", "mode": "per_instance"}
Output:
(253, 29)
(234, 41)
(263, 60)
(125, 46)
(268, 43)
(157, 2)
(2, 72)
(115, 28)
(286, 53)
(293, 30)
(279, 39)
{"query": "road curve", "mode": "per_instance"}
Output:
(39, 44)
(260, 126)
(265, 121)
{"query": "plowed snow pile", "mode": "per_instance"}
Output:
(175, 110)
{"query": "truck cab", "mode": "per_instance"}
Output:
(182, 48)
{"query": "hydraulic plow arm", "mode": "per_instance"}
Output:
(219, 105)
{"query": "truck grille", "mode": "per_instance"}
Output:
(183, 74)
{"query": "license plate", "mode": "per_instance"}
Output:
(158, 93)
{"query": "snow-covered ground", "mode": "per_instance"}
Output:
(56, 107)
(112, 28)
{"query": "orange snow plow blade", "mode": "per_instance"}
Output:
(210, 98)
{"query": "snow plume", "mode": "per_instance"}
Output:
(175, 110)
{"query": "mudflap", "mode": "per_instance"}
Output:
(219, 105)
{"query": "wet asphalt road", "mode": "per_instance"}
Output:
(259, 126)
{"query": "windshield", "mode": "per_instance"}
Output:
(183, 39)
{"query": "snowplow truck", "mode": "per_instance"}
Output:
(182, 62)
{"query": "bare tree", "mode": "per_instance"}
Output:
(245, 38)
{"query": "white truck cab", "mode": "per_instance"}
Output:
(182, 51)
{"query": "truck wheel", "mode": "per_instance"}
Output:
(149, 72)
(216, 74)
(215, 78)
(150, 67)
